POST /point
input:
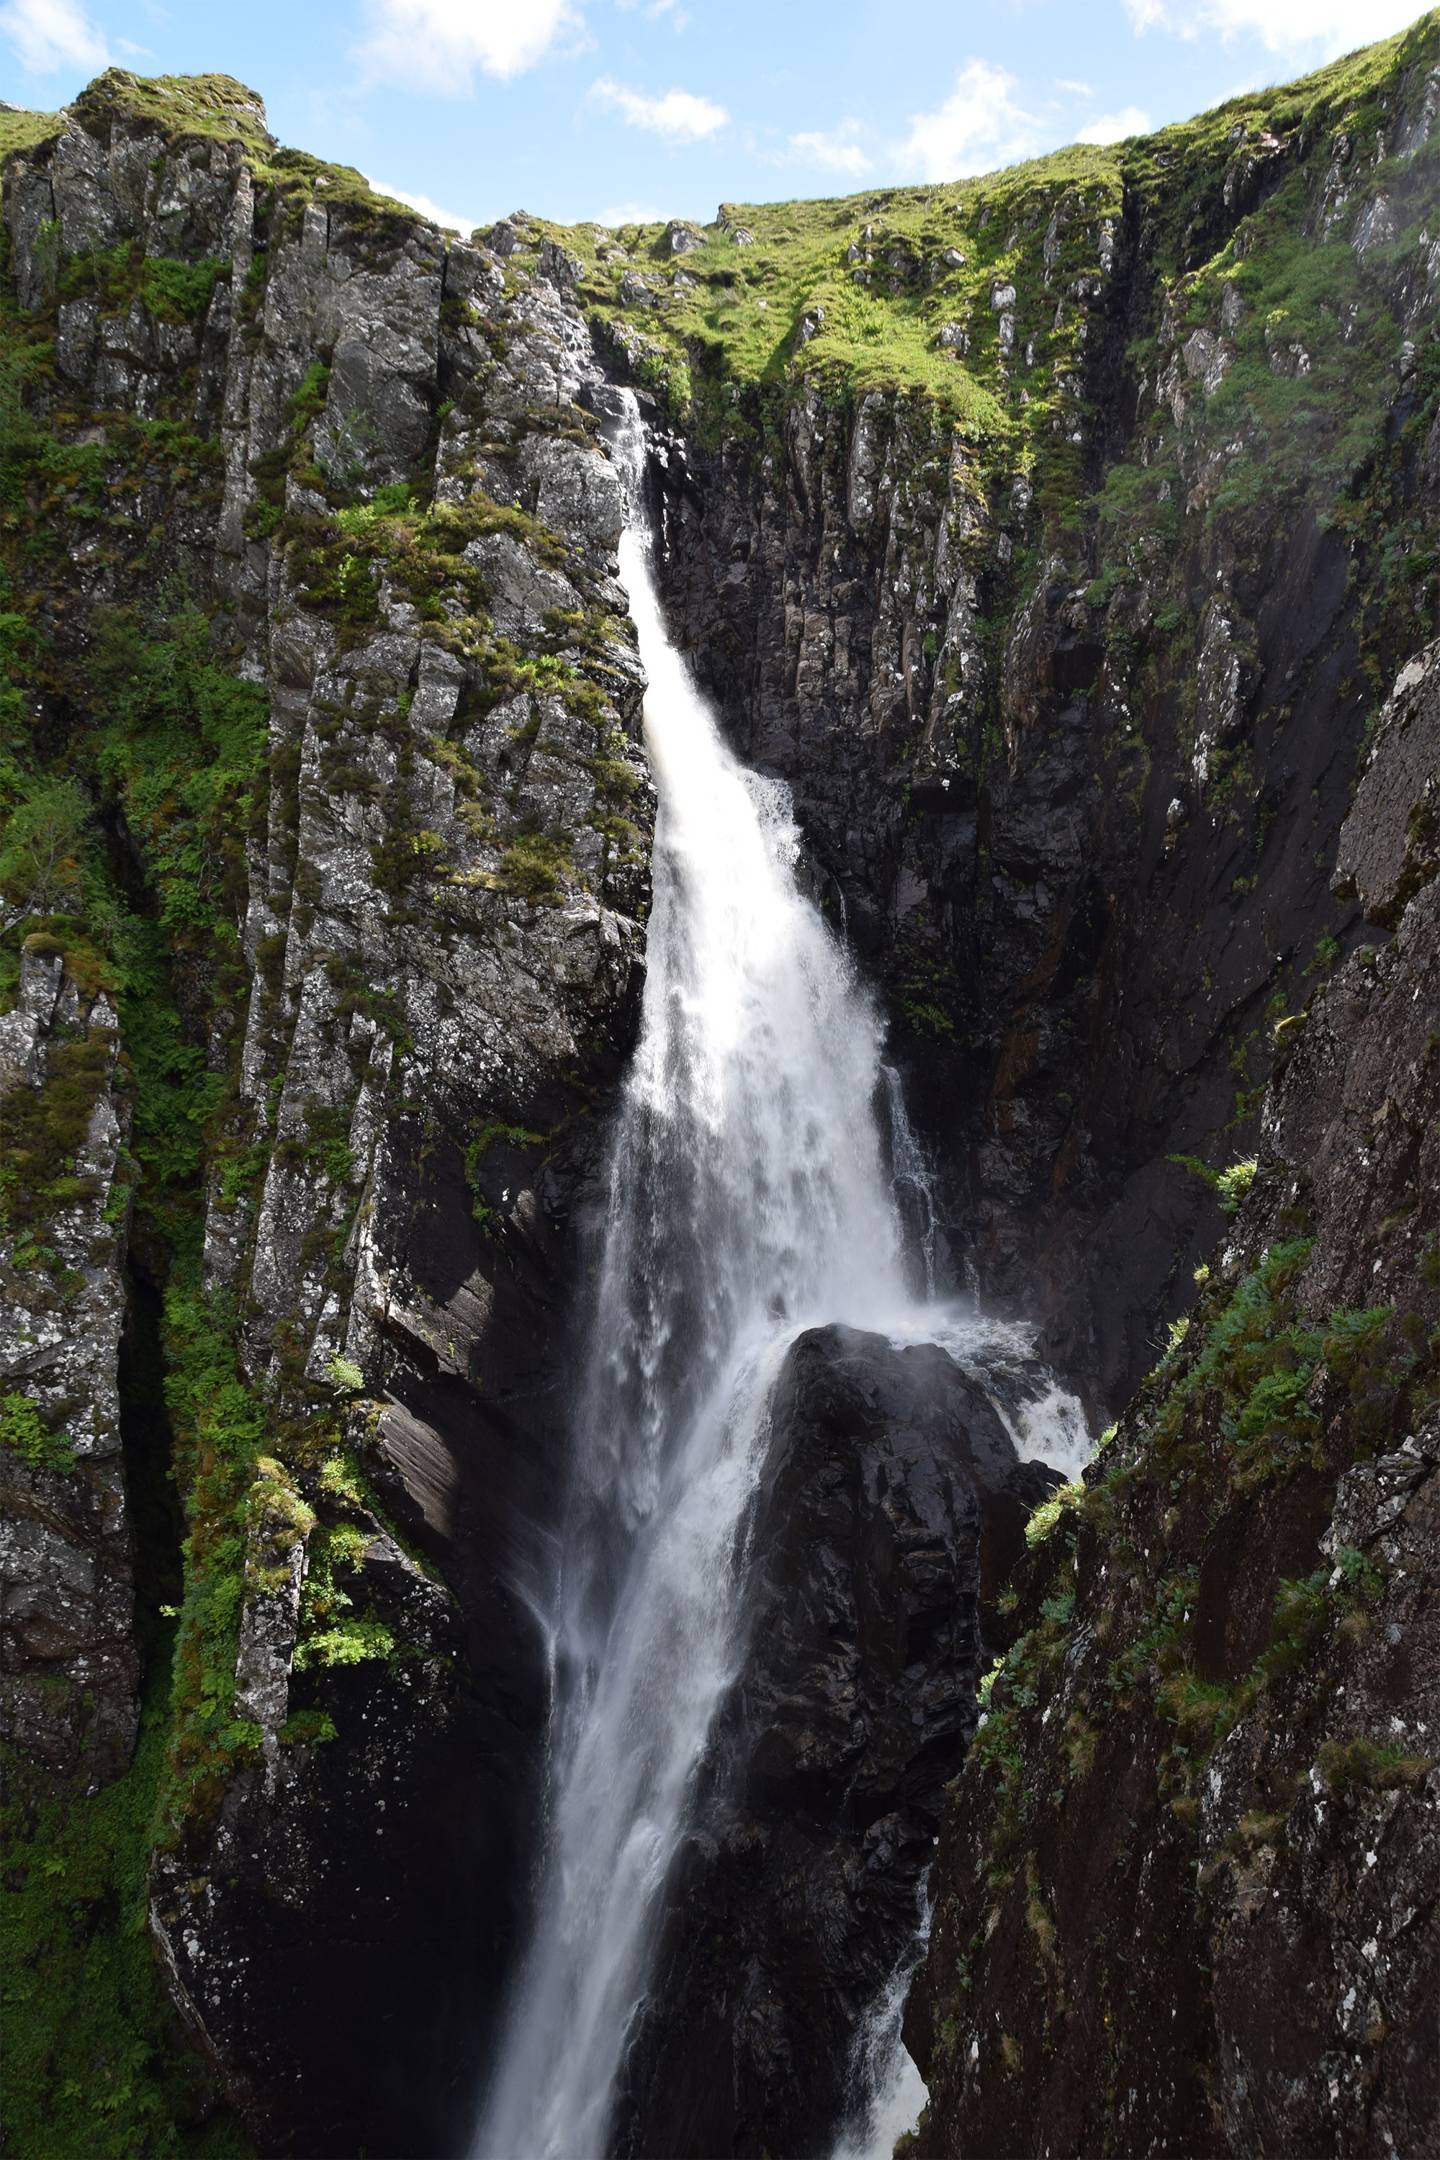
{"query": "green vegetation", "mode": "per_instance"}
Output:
(23, 130)
(1229, 1185)
(24, 1432)
(43, 1130)
(93, 2062)
(1045, 1517)
(853, 295)
(536, 868)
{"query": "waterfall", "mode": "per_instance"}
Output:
(888, 2091)
(748, 1199)
(912, 1179)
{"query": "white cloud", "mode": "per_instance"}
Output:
(627, 213)
(437, 45)
(1115, 126)
(678, 116)
(836, 149)
(1072, 88)
(426, 207)
(50, 34)
(1320, 28)
(978, 127)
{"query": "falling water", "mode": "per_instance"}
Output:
(888, 2091)
(748, 1200)
(912, 1178)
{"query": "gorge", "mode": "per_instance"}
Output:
(679, 902)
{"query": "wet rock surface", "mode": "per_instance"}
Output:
(1209, 1774)
(891, 1507)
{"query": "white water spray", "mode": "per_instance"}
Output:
(748, 1200)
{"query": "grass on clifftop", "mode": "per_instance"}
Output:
(20, 130)
(856, 291)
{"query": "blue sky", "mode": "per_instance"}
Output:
(626, 108)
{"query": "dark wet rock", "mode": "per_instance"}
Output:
(891, 1508)
(1186, 1889)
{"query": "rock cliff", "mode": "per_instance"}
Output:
(1187, 1891)
(891, 1510)
(311, 540)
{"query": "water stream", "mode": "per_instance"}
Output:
(748, 1199)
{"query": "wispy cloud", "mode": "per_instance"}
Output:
(438, 45)
(432, 210)
(669, 11)
(48, 34)
(1281, 26)
(838, 150)
(1114, 127)
(678, 116)
(1071, 88)
(627, 213)
(978, 127)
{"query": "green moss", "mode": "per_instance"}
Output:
(43, 1129)
(178, 291)
(221, 1429)
(1045, 1517)
(1369, 1765)
(214, 106)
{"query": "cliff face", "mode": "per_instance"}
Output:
(1058, 538)
(891, 1509)
(69, 1666)
(1071, 694)
(360, 864)
(1187, 1891)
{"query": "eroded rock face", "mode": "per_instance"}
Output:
(69, 1665)
(891, 1507)
(1213, 1787)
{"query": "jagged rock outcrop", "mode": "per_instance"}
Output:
(69, 1661)
(1208, 1777)
(891, 1508)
